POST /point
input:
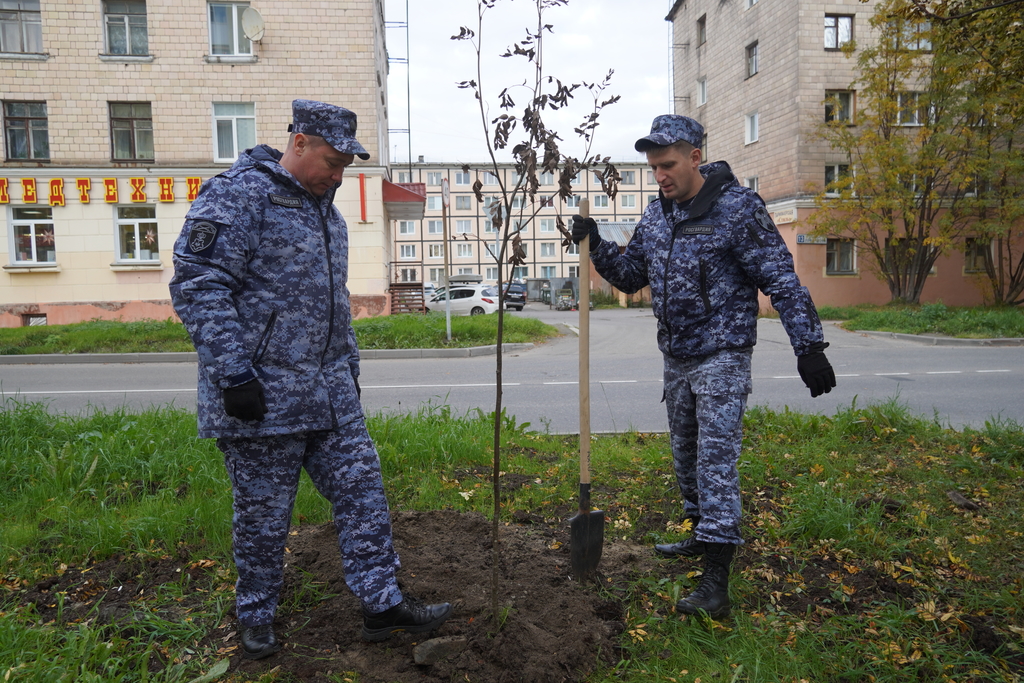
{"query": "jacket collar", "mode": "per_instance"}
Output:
(717, 177)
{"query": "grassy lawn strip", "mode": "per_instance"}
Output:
(407, 331)
(935, 319)
(871, 492)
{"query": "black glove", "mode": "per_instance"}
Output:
(246, 401)
(816, 371)
(581, 227)
(359, 392)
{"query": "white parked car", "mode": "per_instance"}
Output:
(467, 299)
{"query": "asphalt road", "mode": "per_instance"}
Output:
(958, 385)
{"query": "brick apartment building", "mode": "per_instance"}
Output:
(115, 111)
(756, 74)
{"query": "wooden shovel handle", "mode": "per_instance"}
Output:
(584, 374)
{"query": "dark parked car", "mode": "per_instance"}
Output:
(515, 296)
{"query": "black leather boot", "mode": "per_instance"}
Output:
(259, 642)
(689, 547)
(410, 615)
(712, 595)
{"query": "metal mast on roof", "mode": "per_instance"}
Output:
(408, 89)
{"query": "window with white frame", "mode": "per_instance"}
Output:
(839, 106)
(21, 26)
(435, 251)
(126, 27)
(226, 34)
(131, 131)
(549, 271)
(491, 250)
(751, 3)
(752, 182)
(546, 178)
(406, 227)
(836, 175)
(752, 59)
(547, 248)
(573, 202)
(576, 179)
(650, 178)
(912, 109)
(26, 130)
(462, 178)
(628, 201)
(433, 177)
(840, 257)
(601, 201)
(702, 91)
(463, 227)
(464, 250)
(463, 202)
(517, 201)
(750, 128)
(234, 129)
(409, 275)
(652, 198)
(464, 271)
(435, 228)
(520, 273)
(573, 249)
(574, 271)
(702, 30)
(492, 273)
(407, 251)
(916, 35)
(137, 236)
(490, 178)
(838, 30)
(628, 178)
(436, 275)
(489, 226)
(547, 224)
(32, 235)
(435, 203)
(404, 177)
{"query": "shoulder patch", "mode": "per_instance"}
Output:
(290, 202)
(761, 214)
(201, 236)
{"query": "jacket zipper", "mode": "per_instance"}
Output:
(264, 343)
(330, 293)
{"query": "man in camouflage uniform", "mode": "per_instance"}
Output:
(705, 249)
(260, 273)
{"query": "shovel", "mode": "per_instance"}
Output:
(586, 529)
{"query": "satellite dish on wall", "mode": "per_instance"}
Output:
(252, 24)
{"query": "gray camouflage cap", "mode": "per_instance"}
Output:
(335, 124)
(669, 129)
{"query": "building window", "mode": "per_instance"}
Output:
(489, 226)
(652, 198)
(912, 111)
(126, 27)
(627, 178)
(547, 248)
(435, 228)
(463, 227)
(838, 31)
(405, 176)
(751, 128)
(752, 182)
(462, 178)
(629, 201)
(547, 224)
(137, 236)
(463, 202)
(464, 250)
(21, 26)
(492, 273)
(916, 35)
(573, 202)
(27, 130)
(131, 131)
(573, 249)
(435, 251)
(234, 126)
(751, 3)
(435, 202)
(834, 174)
(226, 35)
(650, 178)
(601, 201)
(437, 275)
(463, 271)
(702, 91)
(32, 231)
(702, 30)
(490, 178)
(409, 275)
(520, 273)
(549, 271)
(751, 59)
(576, 179)
(406, 227)
(574, 271)
(976, 255)
(840, 257)
(546, 178)
(839, 106)
(407, 251)
(433, 178)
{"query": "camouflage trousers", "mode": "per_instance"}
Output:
(345, 468)
(706, 398)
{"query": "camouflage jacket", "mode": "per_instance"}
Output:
(259, 280)
(704, 263)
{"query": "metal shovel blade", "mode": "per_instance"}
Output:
(586, 538)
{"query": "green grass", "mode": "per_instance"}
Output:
(407, 331)
(80, 489)
(936, 319)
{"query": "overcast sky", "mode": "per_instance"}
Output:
(589, 38)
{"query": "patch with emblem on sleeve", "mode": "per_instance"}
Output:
(764, 219)
(290, 202)
(201, 236)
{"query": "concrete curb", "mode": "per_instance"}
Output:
(942, 341)
(191, 357)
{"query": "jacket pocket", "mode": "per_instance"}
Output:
(264, 343)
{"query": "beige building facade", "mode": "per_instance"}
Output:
(115, 112)
(762, 76)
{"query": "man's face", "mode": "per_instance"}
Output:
(676, 173)
(318, 166)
